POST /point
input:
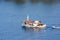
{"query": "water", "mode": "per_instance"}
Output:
(12, 15)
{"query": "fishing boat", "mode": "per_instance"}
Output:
(33, 24)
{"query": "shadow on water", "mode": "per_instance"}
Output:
(20, 1)
(17, 1)
(34, 1)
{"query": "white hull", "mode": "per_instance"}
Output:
(43, 26)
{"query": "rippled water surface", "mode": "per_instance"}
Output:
(12, 15)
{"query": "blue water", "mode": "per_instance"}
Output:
(12, 15)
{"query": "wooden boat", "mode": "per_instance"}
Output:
(33, 24)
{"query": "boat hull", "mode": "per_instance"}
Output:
(30, 26)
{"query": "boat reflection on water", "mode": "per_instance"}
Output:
(36, 29)
(26, 29)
